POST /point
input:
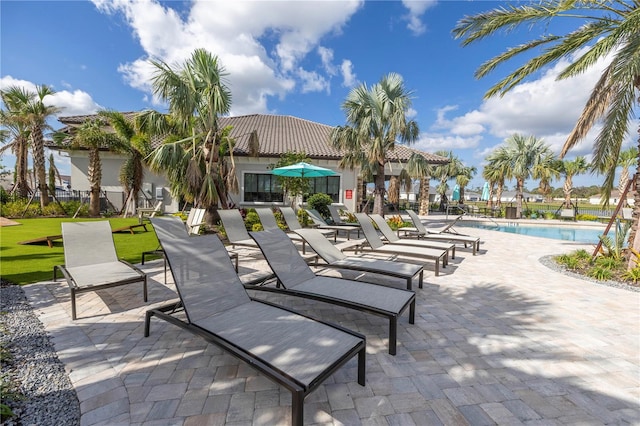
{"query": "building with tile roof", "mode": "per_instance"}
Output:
(277, 135)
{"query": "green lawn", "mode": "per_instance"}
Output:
(24, 264)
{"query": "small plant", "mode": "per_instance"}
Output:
(320, 202)
(632, 275)
(600, 273)
(251, 219)
(608, 262)
(396, 222)
(585, 216)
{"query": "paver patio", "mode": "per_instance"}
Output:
(499, 338)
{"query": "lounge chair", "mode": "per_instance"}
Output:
(195, 219)
(291, 219)
(334, 258)
(376, 245)
(91, 262)
(393, 238)
(269, 222)
(235, 229)
(291, 349)
(296, 278)
(335, 216)
(320, 223)
(147, 213)
(420, 231)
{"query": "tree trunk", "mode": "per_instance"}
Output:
(94, 174)
(361, 193)
(519, 195)
(568, 186)
(423, 207)
(378, 193)
(37, 143)
(634, 235)
(22, 167)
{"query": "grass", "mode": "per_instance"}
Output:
(26, 264)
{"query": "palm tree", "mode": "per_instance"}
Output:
(197, 95)
(571, 168)
(526, 156)
(53, 174)
(464, 176)
(136, 146)
(15, 136)
(496, 172)
(443, 172)
(418, 168)
(604, 30)
(37, 114)
(92, 136)
(376, 118)
(546, 170)
(627, 158)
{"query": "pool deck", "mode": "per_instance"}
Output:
(499, 338)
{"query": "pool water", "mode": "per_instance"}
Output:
(582, 235)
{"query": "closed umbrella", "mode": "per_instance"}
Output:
(485, 192)
(302, 170)
(455, 196)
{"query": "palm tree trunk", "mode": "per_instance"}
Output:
(568, 185)
(37, 142)
(22, 168)
(423, 208)
(634, 235)
(378, 193)
(519, 196)
(94, 174)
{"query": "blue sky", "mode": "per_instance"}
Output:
(298, 58)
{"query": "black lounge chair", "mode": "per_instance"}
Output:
(376, 245)
(296, 278)
(291, 219)
(334, 258)
(320, 223)
(291, 349)
(91, 262)
(446, 234)
(393, 238)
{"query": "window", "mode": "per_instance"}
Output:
(329, 185)
(262, 188)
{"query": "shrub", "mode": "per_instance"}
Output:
(585, 216)
(396, 222)
(252, 219)
(320, 202)
(632, 275)
(53, 209)
(303, 218)
(600, 273)
(71, 207)
(4, 195)
(19, 209)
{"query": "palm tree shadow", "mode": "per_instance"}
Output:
(501, 347)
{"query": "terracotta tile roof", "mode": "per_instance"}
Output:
(278, 134)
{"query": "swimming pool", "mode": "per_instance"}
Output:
(582, 235)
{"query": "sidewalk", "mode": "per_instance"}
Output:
(499, 338)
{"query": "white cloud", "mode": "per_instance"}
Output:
(312, 82)
(544, 107)
(326, 56)
(349, 78)
(260, 43)
(436, 142)
(74, 102)
(416, 9)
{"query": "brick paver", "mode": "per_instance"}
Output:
(498, 339)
